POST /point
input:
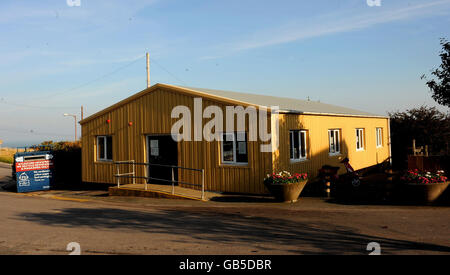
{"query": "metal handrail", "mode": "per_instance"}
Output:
(154, 164)
(173, 181)
(118, 175)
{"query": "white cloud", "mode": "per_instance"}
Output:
(332, 24)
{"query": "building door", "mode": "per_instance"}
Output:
(162, 150)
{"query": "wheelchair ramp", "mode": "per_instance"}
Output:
(160, 191)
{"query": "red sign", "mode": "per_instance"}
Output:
(34, 165)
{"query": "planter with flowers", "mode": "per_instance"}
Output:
(424, 186)
(285, 186)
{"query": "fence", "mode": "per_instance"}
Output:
(132, 175)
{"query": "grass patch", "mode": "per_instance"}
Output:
(6, 159)
(7, 155)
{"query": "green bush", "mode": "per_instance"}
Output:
(6, 159)
(67, 161)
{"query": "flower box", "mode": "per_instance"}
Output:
(284, 186)
(424, 186)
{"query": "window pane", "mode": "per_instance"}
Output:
(227, 148)
(303, 144)
(228, 151)
(360, 139)
(241, 152)
(291, 143)
(101, 147)
(241, 136)
(296, 145)
(358, 145)
(331, 140)
(241, 147)
(228, 137)
(109, 148)
(379, 137)
(338, 146)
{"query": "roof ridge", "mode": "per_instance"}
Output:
(323, 104)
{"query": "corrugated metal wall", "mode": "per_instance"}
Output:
(318, 144)
(151, 114)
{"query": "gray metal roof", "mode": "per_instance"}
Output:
(286, 104)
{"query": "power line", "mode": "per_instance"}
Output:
(167, 71)
(94, 80)
(6, 102)
(2, 100)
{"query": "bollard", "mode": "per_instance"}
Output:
(173, 181)
(327, 189)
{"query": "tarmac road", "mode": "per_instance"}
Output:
(44, 225)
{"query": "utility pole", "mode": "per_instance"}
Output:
(81, 112)
(148, 70)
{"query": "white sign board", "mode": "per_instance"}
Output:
(154, 148)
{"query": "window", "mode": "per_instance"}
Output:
(334, 141)
(359, 139)
(379, 132)
(297, 145)
(234, 148)
(104, 148)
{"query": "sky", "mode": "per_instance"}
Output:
(56, 55)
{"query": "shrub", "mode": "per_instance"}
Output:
(67, 157)
(6, 159)
(427, 125)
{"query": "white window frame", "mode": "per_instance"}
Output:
(234, 140)
(291, 145)
(379, 137)
(360, 139)
(105, 148)
(337, 141)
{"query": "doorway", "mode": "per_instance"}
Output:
(162, 150)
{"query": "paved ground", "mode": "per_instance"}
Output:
(45, 222)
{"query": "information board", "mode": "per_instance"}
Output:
(34, 175)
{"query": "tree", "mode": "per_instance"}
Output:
(440, 87)
(427, 125)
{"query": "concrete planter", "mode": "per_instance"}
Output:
(286, 192)
(425, 192)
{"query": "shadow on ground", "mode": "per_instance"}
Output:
(243, 198)
(8, 184)
(232, 228)
(397, 200)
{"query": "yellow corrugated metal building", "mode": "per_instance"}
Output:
(311, 134)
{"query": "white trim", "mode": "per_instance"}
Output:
(360, 139)
(379, 137)
(336, 140)
(105, 149)
(291, 145)
(234, 140)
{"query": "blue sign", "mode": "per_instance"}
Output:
(34, 171)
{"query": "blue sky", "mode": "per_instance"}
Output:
(55, 57)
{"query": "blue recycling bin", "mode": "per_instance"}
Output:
(34, 171)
